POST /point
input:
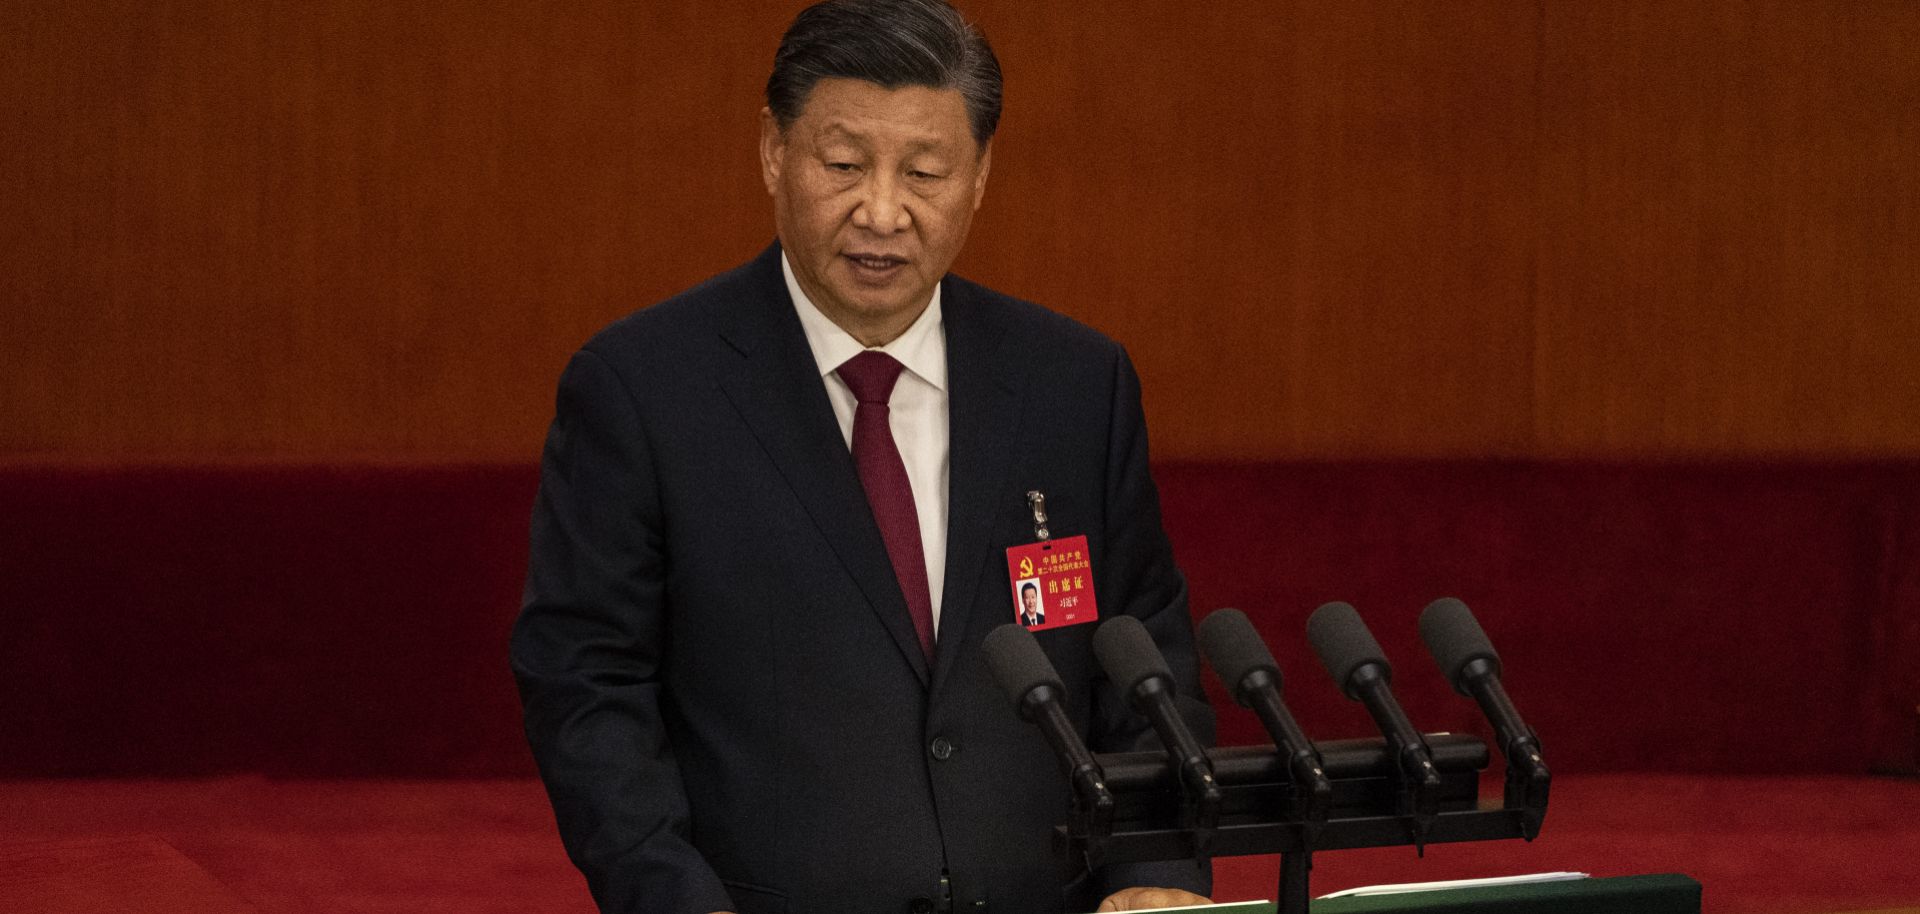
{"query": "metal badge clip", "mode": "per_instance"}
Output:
(1037, 500)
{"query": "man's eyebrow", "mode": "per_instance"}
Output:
(926, 146)
(840, 129)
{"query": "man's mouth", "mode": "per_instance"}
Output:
(876, 263)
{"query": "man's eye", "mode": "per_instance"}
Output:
(842, 166)
(924, 175)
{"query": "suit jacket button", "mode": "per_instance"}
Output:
(921, 905)
(942, 748)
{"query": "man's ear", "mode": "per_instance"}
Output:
(980, 179)
(773, 148)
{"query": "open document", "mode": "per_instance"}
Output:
(1528, 879)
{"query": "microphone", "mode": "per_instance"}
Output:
(1468, 660)
(1134, 664)
(1361, 670)
(1247, 668)
(1024, 673)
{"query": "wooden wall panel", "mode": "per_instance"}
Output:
(1730, 229)
(353, 229)
(363, 230)
(1310, 226)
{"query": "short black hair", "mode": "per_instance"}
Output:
(1029, 586)
(891, 43)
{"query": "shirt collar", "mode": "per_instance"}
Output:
(922, 349)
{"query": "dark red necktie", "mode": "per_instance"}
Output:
(871, 376)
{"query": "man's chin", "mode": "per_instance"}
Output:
(885, 304)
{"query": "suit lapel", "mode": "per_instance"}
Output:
(983, 384)
(794, 423)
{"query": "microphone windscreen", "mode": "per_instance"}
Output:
(1343, 643)
(1233, 646)
(1128, 654)
(1018, 663)
(1455, 639)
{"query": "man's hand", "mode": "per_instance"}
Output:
(1137, 898)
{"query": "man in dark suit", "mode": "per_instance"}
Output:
(772, 522)
(1030, 613)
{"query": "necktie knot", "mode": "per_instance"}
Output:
(871, 376)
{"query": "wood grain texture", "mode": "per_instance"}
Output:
(1310, 225)
(354, 230)
(1731, 263)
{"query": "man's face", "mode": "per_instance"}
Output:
(873, 192)
(1032, 598)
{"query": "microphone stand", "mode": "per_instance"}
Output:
(1260, 808)
(1296, 868)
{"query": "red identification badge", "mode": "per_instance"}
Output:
(1052, 583)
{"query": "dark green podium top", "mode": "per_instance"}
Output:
(1665, 893)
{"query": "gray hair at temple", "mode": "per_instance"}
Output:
(891, 43)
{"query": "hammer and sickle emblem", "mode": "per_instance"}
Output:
(1026, 567)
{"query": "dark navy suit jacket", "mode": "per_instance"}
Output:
(721, 683)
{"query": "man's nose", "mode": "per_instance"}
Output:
(882, 207)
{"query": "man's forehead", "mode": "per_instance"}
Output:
(861, 110)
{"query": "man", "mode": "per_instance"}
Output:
(772, 531)
(1030, 613)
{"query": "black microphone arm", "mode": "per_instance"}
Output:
(1024, 673)
(1460, 646)
(1359, 667)
(1131, 660)
(1296, 798)
(1248, 670)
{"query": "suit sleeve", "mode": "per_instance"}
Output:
(1141, 574)
(587, 653)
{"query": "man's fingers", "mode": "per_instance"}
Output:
(1137, 898)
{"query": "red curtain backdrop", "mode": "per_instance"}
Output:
(352, 621)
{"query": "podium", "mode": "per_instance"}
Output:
(1664, 893)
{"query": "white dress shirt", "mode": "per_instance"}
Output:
(917, 411)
